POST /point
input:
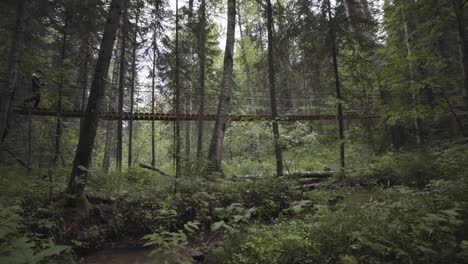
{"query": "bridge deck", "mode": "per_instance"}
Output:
(189, 117)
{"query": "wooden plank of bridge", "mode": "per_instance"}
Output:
(191, 117)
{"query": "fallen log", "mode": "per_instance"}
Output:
(149, 167)
(240, 178)
(318, 174)
(306, 186)
(310, 180)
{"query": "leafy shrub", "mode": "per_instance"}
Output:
(17, 186)
(113, 182)
(410, 169)
(451, 161)
(16, 247)
(232, 217)
(167, 243)
(142, 212)
(244, 167)
(406, 227)
(270, 196)
(205, 202)
(195, 200)
(245, 140)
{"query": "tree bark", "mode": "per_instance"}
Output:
(215, 154)
(177, 138)
(89, 125)
(145, 166)
(58, 121)
(338, 90)
(189, 84)
(153, 83)
(271, 74)
(201, 78)
(412, 74)
(84, 77)
(111, 108)
(122, 77)
(29, 147)
(132, 88)
(459, 9)
(16, 51)
(107, 146)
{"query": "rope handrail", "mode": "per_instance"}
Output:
(191, 116)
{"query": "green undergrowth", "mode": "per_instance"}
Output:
(403, 226)
(249, 149)
(19, 244)
(410, 206)
(138, 202)
(414, 168)
(408, 221)
(307, 157)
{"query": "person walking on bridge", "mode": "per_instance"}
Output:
(37, 85)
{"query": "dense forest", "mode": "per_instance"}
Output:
(235, 131)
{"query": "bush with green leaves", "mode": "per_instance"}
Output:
(166, 242)
(232, 217)
(451, 160)
(270, 196)
(19, 248)
(410, 169)
(405, 226)
(198, 199)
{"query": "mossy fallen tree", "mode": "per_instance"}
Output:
(313, 176)
(149, 167)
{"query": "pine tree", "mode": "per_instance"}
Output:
(271, 73)
(215, 154)
(82, 160)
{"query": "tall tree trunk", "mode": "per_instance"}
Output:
(177, 138)
(132, 88)
(58, 121)
(153, 83)
(189, 84)
(271, 74)
(246, 63)
(8, 93)
(338, 90)
(90, 122)
(122, 77)
(107, 146)
(29, 146)
(412, 73)
(459, 9)
(305, 88)
(111, 108)
(84, 77)
(215, 154)
(201, 77)
(264, 72)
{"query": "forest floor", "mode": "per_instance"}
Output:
(400, 207)
(195, 250)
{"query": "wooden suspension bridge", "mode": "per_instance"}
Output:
(188, 117)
